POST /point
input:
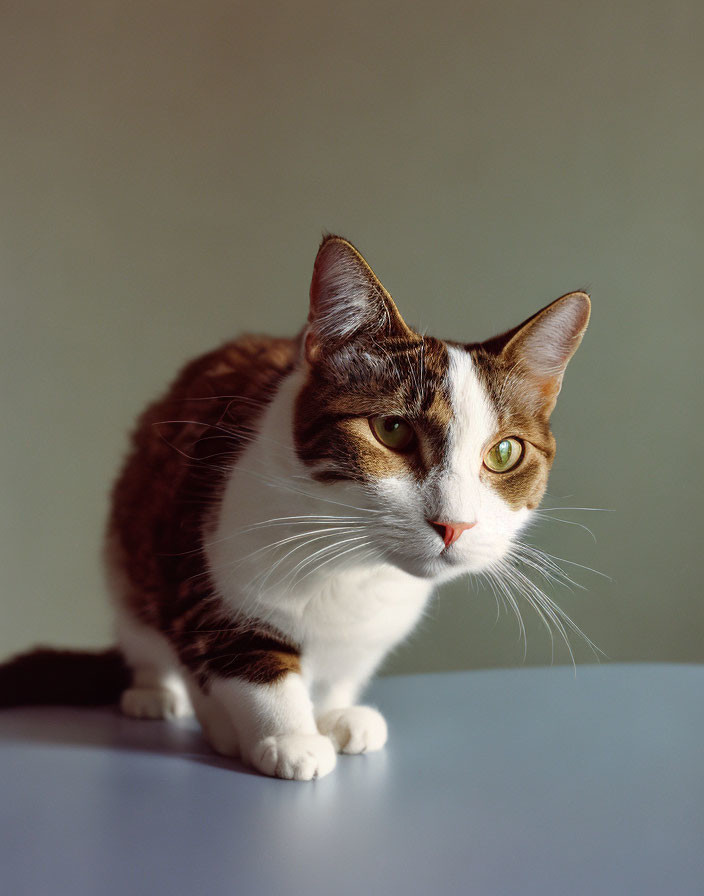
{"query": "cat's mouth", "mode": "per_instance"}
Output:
(446, 563)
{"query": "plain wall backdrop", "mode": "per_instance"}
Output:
(166, 172)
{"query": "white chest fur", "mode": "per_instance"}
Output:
(350, 621)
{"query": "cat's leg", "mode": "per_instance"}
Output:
(269, 726)
(218, 727)
(351, 727)
(339, 666)
(250, 696)
(275, 726)
(157, 690)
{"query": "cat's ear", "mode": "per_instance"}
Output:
(347, 301)
(541, 347)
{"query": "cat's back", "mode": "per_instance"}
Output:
(183, 445)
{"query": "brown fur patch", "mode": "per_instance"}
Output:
(523, 416)
(406, 377)
(210, 643)
(182, 448)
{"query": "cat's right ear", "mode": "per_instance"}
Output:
(347, 301)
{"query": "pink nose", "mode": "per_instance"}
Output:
(450, 532)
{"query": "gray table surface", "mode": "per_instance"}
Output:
(514, 781)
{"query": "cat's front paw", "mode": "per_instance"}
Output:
(356, 729)
(300, 757)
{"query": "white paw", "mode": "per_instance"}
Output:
(153, 703)
(356, 729)
(300, 757)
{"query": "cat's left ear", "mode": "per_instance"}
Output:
(347, 301)
(541, 347)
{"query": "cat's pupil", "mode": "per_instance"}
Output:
(391, 424)
(504, 451)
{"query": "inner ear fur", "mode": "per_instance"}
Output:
(347, 300)
(542, 345)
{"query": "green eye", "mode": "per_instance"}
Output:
(503, 456)
(393, 432)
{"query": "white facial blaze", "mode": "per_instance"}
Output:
(464, 496)
(473, 425)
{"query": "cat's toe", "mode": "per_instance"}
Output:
(355, 729)
(153, 703)
(299, 757)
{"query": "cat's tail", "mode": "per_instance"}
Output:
(48, 677)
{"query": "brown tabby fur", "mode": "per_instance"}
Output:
(182, 447)
(406, 377)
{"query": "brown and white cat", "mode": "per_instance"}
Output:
(289, 506)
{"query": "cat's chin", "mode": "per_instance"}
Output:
(440, 568)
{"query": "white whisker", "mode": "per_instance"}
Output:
(280, 543)
(554, 519)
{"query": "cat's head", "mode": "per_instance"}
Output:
(447, 444)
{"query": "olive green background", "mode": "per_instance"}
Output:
(167, 169)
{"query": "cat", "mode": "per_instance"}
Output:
(289, 506)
